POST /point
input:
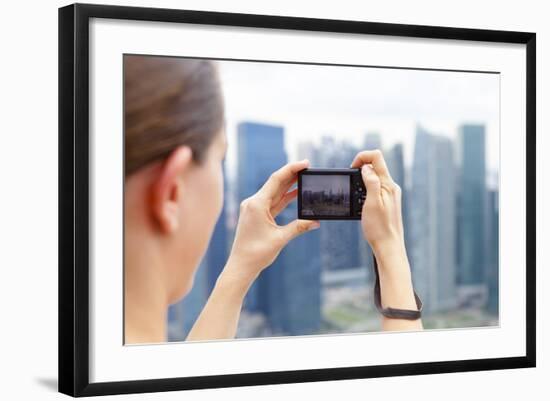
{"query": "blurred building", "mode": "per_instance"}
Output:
(492, 277)
(288, 291)
(472, 204)
(472, 215)
(308, 150)
(432, 212)
(260, 153)
(372, 141)
(292, 284)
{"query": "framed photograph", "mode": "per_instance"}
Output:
(183, 263)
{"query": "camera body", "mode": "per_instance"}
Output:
(330, 194)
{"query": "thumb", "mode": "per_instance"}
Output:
(371, 180)
(298, 227)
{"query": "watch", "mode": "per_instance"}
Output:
(394, 312)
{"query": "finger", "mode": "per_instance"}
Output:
(280, 180)
(372, 183)
(375, 158)
(298, 227)
(284, 191)
(283, 203)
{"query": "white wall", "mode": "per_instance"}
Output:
(28, 199)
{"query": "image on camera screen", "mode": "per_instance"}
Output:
(326, 195)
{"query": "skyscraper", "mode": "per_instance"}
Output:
(293, 283)
(472, 204)
(432, 222)
(445, 229)
(288, 291)
(493, 252)
(260, 153)
(372, 141)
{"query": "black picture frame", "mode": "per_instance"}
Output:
(74, 193)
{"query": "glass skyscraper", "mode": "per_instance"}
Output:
(493, 252)
(432, 212)
(288, 291)
(260, 153)
(472, 204)
(292, 285)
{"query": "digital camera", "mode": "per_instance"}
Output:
(330, 194)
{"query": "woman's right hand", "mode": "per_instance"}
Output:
(381, 215)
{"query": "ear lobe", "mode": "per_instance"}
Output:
(167, 191)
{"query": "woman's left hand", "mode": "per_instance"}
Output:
(258, 238)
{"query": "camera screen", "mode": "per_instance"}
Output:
(326, 195)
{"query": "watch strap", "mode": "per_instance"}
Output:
(394, 312)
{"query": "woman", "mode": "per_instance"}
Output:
(174, 147)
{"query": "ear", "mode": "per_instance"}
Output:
(167, 189)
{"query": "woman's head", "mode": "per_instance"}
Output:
(174, 147)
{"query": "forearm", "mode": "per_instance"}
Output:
(396, 287)
(220, 316)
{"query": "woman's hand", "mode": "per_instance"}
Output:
(381, 215)
(382, 225)
(258, 238)
(258, 241)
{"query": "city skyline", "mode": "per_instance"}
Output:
(334, 183)
(301, 292)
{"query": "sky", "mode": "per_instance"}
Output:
(347, 102)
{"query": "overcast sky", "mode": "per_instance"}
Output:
(346, 102)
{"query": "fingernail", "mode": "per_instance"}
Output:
(315, 225)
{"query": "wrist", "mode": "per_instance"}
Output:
(392, 258)
(230, 287)
(395, 276)
(236, 278)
